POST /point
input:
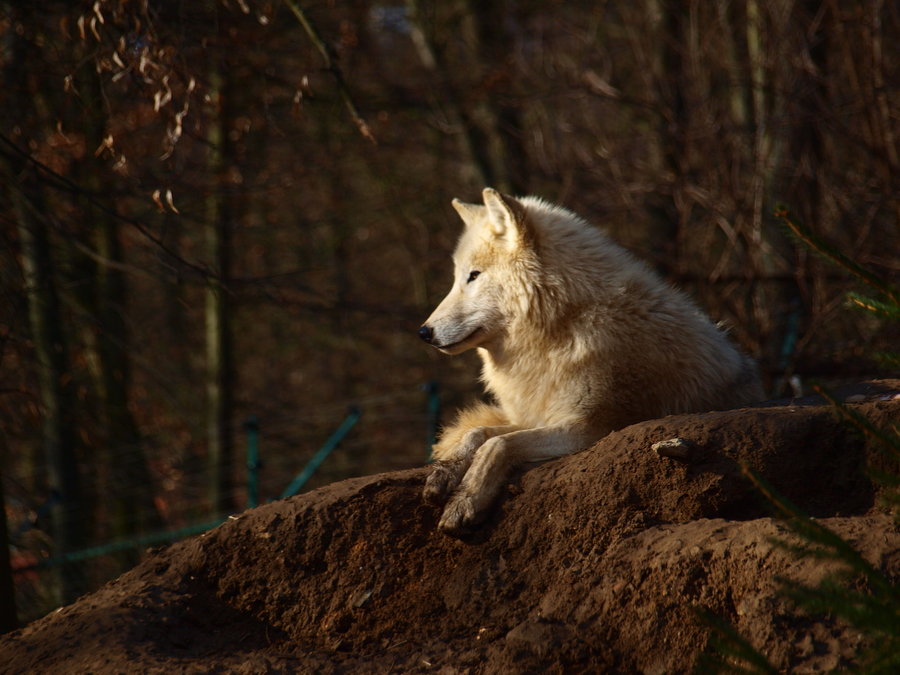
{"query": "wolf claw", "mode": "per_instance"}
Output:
(440, 484)
(459, 516)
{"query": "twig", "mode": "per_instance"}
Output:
(332, 67)
(60, 182)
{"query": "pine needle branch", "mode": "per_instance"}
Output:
(856, 591)
(826, 543)
(891, 441)
(887, 310)
(729, 652)
(887, 359)
(876, 615)
(830, 253)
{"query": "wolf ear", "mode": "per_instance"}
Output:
(469, 213)
(507, 217)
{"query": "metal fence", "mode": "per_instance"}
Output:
(39, 574)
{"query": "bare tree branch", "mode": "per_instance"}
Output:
(331, 66)
(60, 182)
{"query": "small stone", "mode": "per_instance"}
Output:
(674, 448)
(360, 598)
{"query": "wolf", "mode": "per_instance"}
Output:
(577, 338)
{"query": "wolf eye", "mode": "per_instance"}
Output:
(473, 275)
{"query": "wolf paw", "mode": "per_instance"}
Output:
(442, 480)
(459, 517)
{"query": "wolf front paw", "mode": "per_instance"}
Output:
(440, 483)
(460, 516)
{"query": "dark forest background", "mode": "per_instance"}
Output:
(232, 208)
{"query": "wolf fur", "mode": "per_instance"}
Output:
(577, 338)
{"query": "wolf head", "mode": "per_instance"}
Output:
(496, 242)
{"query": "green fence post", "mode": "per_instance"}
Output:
(434, 416)
(143, 541)
(251, 426)
(322, 453)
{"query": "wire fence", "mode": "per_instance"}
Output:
(44, 577)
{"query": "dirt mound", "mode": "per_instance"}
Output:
(589, 563)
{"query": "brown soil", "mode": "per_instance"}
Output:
(590, 563)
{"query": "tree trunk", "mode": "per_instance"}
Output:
(492, 41)
(673, 213)
(217, 230)
(58, 432)
(59, 435)
(127, 489)
(473, 143)
(8, 620)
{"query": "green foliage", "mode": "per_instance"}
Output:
(879, 308)
(886, 440)
(856, 591)
(885, 306)
(729, 652)
(829, 252)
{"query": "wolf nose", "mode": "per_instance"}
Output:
(426, 334)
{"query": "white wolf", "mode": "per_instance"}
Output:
(578, 338)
